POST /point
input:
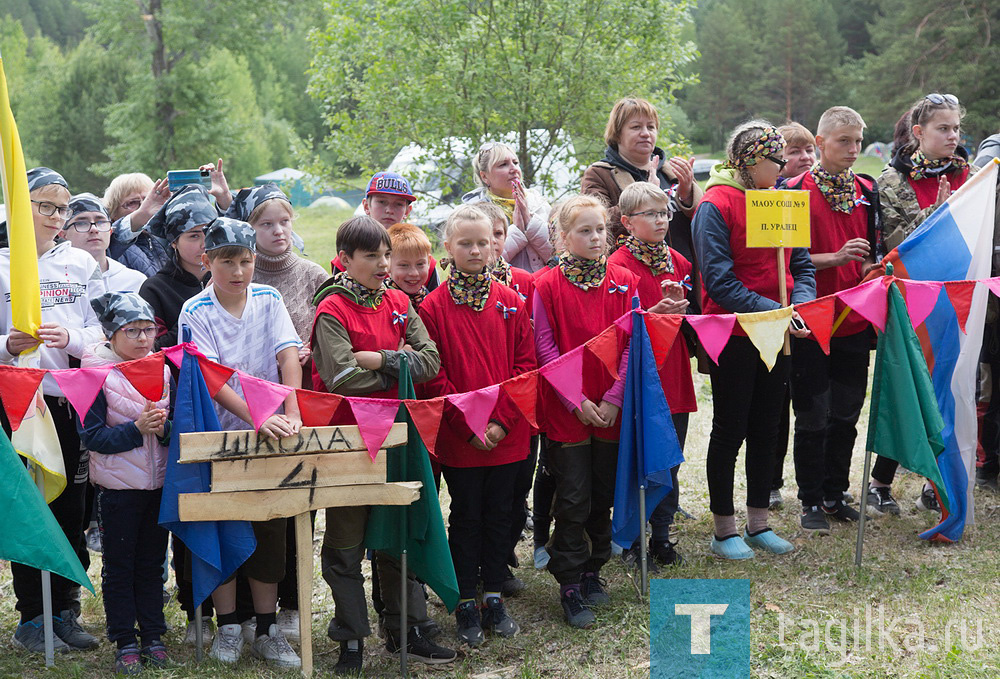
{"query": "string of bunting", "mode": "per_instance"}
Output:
(565, 374)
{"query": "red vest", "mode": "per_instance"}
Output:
(927, 187)
(523, 283)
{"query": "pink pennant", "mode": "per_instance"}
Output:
(476, 407)
(624, 322)
(869, 300)
(175, 354)
(713, 332)
(80, 386)
(565, 374)
(375, 417)
(921, 297)
(263, 397)
(993, 284)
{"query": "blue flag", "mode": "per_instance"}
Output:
(648, 447)
(218, 547)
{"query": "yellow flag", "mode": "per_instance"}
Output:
(36, 439)
(766, 329)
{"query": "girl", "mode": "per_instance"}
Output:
(574, 302)
(746, 396)
(483, 334)
(128, 436)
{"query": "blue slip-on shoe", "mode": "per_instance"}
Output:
(732, 548)
(541, 557)
(769, 541)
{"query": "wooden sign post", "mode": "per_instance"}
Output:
(778, 219)
(255, 478)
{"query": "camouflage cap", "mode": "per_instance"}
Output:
(43, 176)
(249, 199)
(191, 206)
(225, 231)
(85, 202)
(115, 310)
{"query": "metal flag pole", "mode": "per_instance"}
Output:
(864, 510)
(50, 649)
(643, 584)
(198, 634)
(404, 579)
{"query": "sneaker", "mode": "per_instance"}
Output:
(769, 541)
(30, 636)
(814, 520)
(155, 656)
(632, 557)
(351, 659)
(776, 501)
(592, 589)
(274, 649)
(227, 645)
(67, 627)
(430, 629)
(468, 624)
(512, 586)
(733, 548)
(576, 611)
(191, 635)
(93, 537)
(881, 501)
(928, 501)
(841, 511)
(987, 481)
(541, 557)
(248, 628)
(419, 647)
(663, 553)
(288, 623)
(496, 620)
(848, 498)
(128, 660)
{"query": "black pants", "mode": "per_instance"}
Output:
(519, 498)
(828, 393)
(746, 402)
(69, 509)
(543, 493)
(585, 492)
(781, 447)
(131, 578)
(988, 460)
(663, 516)
(479, 524)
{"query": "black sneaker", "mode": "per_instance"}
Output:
(68, 628)
(987, 481)
(419, 647)
(155, 655)
(512, 586)
(576, 611)
(814, 520)
(468, 625)
(592, 590)
(841, 511)
(351, 659)
(633, 557)
(881, 501)
(775, 501)
(663, 553)
(128, 660)
(496, 619)
(928, 501)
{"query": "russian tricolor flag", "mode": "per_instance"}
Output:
(955, 243)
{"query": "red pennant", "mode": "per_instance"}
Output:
(17, 391)
(375, 417)
(523, 391)
(662, 329)
(426, 416)
(605, 347)
(960, 294)
(476, 407)
(316, 408)
(146, 375)
(215, 374)
(818, 316)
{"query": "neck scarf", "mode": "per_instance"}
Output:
(362, 295)
(654, 255)
(506, 204)
(925, 167)
(838, 189)
(583, 273)
(472, 289)
(415, 298)
(501, 271)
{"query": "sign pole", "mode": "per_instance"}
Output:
(304, 576)
(783, 292)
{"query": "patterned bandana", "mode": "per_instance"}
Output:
(506, 204)
(43, 176)
(501, 271)
(654, 255)
(85, 202)
(115, 310)
(583, 273)
(768, 143)
(838, 189)
(248, 200)
(469, 288)
(925, 167)
(363, 296)
(191, 206)
(416, 298)
(225, 231)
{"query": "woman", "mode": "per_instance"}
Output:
(498, 174)
(132, 200)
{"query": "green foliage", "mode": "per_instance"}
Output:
(61, 21)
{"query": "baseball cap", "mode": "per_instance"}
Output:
(390, 184)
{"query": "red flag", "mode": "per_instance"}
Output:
(662, 329)
(426, 416)
(523, 391)
(17, 391)
(146, 375)
(818, 315)
(316, 408)
(960, 294)
(215, 374)
(605, 347)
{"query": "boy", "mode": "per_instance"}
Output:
(361, 330)
(663, 274)
(247, 326)
(89, 228)
(410, 262)
(829, 391)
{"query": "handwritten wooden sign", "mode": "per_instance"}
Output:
(778, 219)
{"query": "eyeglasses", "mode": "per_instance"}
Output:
(83, 227)
(780, 163)
(939, 99)
(652, 214)
(133, 333)
(47, 209)
(132, 205)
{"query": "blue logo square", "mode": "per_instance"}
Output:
(699, 628)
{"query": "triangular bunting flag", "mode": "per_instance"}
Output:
(175, 354)
(766, 329)
(316, 408)
(605, 347)
(662, 329)
(818, 316)
(993, 284)
(80, 386)
(374, 417)
(426, 416)
(713, 332)
(146, 375)
(960, 294)
(215, 374)
(17, 391)
(868, 299)
(624, 322)
(476, 407)
(523, 391)
(263, 397)
(921, 296)
(565, 374)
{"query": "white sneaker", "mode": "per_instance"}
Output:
(275, 650)
(227, 645)
(249, 630)
(192, 630)
(288, 623)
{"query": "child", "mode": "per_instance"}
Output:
(410, 262)
(128, 436)
(746, 395)
(247, 327)
(89, 228)
(483, 333)
(69, 279)
(361, 330)
(574, 302)
(662, 273)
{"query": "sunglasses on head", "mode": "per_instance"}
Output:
(939, 99)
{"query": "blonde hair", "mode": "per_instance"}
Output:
(259, 210)
(838, 116)
(796, 134)
(494, 213)
(465, 213)
(621, 112)
(637, 193)
(409, 240)
(573, 206)
(123, 186)
(488, 155)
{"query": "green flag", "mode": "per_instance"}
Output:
(905, 424)
(30, 534)
(428, 554)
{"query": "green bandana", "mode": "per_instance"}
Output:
(469, 288)
(838, 189)
(583, 273)
(925, 167)
(654, 255)
(362, 295)
(416, 298)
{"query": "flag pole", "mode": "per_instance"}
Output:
(643, 548)
(50, 649)
(198, 633)
(404, 579)
(864, 509)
